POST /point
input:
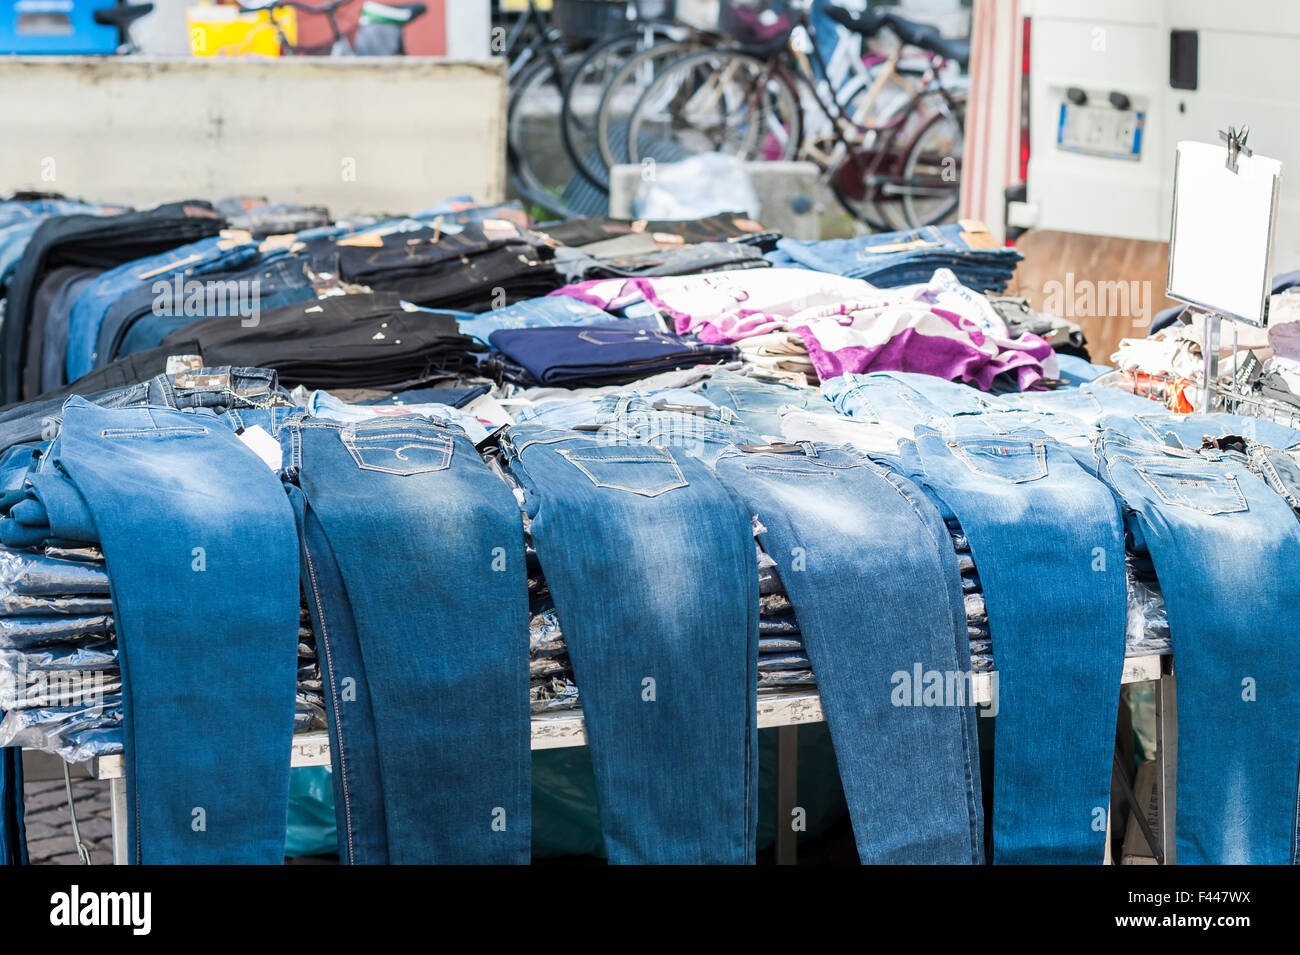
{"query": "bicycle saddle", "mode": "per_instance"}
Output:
(868, 22)
(400, 12)
(926, 37)
(122, 16)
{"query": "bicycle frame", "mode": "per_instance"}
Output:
(860, 130)
(286, 47)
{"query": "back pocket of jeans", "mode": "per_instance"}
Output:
(762, 399)
(1213, 492)
(641, 470)
(1013, 462)
(401, 451)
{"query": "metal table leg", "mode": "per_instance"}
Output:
(1167, 762)
(117, 807)
(787, 793)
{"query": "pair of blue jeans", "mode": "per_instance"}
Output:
(1225, 547)
(568, 412)
(202, 555)
(700, 429)
(218, 388)
(1048, 540)
(651, 562)
(758, 402)
(413, 566)
(1189, 431)
(13, 837)
(870, 569)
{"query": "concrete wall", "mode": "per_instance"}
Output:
(357, 135)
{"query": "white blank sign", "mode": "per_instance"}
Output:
(1222, 232)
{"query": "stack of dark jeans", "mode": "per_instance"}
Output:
(480, 266)
(92, 242)
(342, 341)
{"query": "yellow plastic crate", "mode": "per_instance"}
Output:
(226, 31)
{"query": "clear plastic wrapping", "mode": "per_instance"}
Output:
(39, 575)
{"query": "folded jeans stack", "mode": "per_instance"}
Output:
(341, 341)
(890, 259)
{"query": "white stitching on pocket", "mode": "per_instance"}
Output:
(641, 456)
(1040, 460)
(359, 443)
(1206, 483)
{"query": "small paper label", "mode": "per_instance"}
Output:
(179, 363)
(898, 247)
(365, 240)
(489, 410)
(186, 380)
(263, 445)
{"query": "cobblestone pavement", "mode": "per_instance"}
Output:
(49, 826)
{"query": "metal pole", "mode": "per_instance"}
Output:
(1167, 753)
(1210, 350)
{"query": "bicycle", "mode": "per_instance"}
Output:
(849, 70)
(379, 29)
(548, 144)
(746, 100)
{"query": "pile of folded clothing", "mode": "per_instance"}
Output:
(890, 259)
(91, 242)
(823, 326)
(20, 218)
(365, 340)
(605, 353)
(470, 267)
(595, 248)
(261, 218)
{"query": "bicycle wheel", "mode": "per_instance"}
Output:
(540, 168)
(717, 101)
(851, 181)
(583, 93)
(624, 91)
(931, 181)
(857, 181)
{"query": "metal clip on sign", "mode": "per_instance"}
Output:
(1236, 140)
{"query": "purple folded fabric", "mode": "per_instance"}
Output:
(928, 342)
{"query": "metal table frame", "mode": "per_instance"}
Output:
(784, 711)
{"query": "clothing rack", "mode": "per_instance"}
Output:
(784, 711)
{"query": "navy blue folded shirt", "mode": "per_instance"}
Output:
(601, 353)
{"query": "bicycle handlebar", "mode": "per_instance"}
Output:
(323, 8)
